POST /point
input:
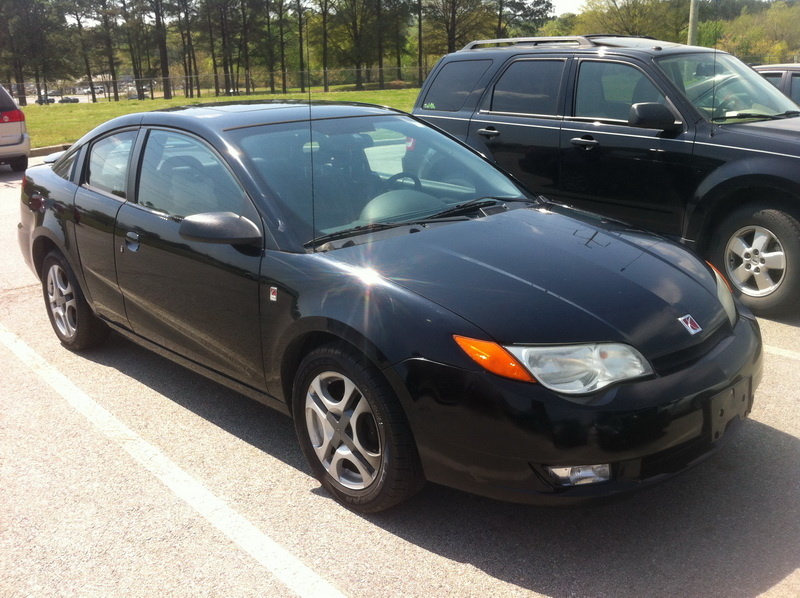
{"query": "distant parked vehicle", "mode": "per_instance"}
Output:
(45, 100)
(68, 100)
(15, 145)
(785, 77)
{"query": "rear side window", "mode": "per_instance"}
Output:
(529, 87)
(108, 163)
(6, 102)
(453, 84)
(774, 78)
(794, 88)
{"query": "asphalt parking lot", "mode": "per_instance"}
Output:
(122, 474)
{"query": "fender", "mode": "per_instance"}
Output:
(726, 188)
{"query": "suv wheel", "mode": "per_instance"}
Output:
(759, 249)
(353, 431)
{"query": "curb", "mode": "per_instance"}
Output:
(46, 151)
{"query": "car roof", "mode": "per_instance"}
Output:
(787, 66)
(213, 119)
(579, 44)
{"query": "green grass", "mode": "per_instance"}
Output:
(57, 124)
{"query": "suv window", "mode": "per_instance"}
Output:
(609, 89)
(453, 85)
(794, 87)
(108, 163)
(529, 87)
(181, 176)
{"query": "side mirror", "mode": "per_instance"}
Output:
(652, 115)
(225, 228)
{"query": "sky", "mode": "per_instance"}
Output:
(563, 6)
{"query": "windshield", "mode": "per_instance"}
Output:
(724, 89)
(343, 173)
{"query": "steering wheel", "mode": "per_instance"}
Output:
(732, 101)
(392, 180)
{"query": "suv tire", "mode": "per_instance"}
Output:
(758, 249)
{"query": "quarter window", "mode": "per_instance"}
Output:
(453, 84)
(607, 90)
(108, 163)
(529, 87)
(182, 176)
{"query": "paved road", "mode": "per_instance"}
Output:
(122, 474)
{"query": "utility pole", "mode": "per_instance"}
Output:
(692, 41)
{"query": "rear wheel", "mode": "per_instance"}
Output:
(72, 319)
(353, 431)
(759, 250)
(19, 164)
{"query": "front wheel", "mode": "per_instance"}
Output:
(72, 319)
(759, 249)
(353, 430)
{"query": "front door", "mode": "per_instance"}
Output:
(200, 300)
(641, 176)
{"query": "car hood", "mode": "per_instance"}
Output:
(785, 130)
(553, 276)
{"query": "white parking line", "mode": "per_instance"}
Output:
(782, 352)
(280, 562)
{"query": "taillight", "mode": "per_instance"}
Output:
(12, 116)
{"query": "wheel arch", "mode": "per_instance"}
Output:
(714, 206)
(318, 332)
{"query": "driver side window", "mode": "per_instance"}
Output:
(182, 176)
(608, 90)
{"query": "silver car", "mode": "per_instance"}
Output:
(15, 144)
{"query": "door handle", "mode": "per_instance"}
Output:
(489, 132)
(586, 143)
(131, 241)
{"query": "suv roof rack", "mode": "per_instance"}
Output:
(581, 41)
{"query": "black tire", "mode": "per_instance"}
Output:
(72, 319)
(758, 250)
(358, 443)
(19, 164)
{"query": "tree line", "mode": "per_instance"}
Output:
(232, 47)
(176, 44)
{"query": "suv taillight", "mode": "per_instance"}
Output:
(12, 116)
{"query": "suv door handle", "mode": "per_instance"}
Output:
(586, 143)
(489, 132)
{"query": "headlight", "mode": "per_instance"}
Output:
(578, 369)
(724, 295)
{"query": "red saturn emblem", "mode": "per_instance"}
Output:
(690, 324)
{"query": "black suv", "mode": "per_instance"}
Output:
(682, 140)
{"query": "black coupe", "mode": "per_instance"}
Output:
(420, 314)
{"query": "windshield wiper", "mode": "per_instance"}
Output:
(743, 115)
(352, 232)
(470, 206)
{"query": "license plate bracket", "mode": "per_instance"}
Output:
(734, 402)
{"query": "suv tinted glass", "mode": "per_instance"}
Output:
(609, 89)
(529, 87)
(453, 85)
(6, 102)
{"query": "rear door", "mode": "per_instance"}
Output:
(519, 120)
(199, 300)
(642, 176)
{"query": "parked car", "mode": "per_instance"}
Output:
(45, 100)
(15, 144)
(685, 141)
(786, 77)
(418, 313)
(68, 100)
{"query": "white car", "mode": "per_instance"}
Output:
(15, 144)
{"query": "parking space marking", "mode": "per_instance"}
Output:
(782, 352)
(286, 567)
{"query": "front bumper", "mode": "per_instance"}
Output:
(495, 437)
